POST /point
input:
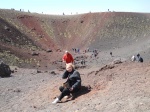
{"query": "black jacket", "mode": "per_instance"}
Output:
(74, 78)
(140, 59)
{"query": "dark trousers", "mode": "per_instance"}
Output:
(66, 92)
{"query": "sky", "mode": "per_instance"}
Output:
(76, 6)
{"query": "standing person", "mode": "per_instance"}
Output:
(95, 52)
(82, 62)
(111, 54)
(67, 57)
(73, 82)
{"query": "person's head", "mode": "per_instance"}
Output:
(69, 67)
(66, 52)
(138, 55)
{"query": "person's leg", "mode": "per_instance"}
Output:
(61, 88)
(75, 90)
(64, 93)
(74, 93)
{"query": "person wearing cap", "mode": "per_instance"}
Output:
(67, 57)
(73, 81)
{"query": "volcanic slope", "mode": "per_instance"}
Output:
(123, 33)
(119, 88)
(105, 87)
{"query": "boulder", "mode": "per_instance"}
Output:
(35, 53)
(4, 70)
(49, 50)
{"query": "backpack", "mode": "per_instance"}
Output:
(66, 84)
(4, 70)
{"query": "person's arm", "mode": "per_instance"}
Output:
(78, 81)
(63, 59)
(65, 75)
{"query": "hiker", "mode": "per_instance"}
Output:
(78, 50)
(111, 54)
(82, 62)
(95, 52)
(72, 85)
(133, 58)
(139, 58)
(75, 50)
(67, 58)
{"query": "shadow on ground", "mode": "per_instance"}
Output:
(84, 90)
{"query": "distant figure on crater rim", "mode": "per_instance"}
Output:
(111, 54)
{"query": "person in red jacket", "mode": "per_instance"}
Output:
(67, 58)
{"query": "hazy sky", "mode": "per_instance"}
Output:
(76, 6)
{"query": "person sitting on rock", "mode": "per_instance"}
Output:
(72, 85)
(67, 57)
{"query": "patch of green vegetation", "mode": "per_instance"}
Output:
(127, 25)
(13, 60)
(20, 40)
(9, 58)
(48, 29)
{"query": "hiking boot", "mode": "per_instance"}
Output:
(55, 101)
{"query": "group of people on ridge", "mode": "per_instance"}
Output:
(138, 58)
